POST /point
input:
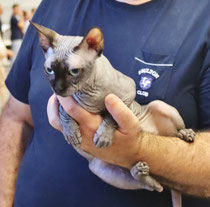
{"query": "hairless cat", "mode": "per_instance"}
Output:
(75, 66)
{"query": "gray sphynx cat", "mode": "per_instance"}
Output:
(75, 66)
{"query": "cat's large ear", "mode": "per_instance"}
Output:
(47, 38)
(93, 41)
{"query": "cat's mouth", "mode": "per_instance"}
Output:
(62, 93)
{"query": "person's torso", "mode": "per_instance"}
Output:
(16, 33)
(158, 46)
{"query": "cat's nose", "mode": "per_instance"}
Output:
(59, 88)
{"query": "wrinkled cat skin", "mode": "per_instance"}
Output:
(75, 66)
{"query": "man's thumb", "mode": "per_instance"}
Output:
(121, 113)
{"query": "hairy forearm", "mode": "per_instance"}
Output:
(177, 164)
(13, 139)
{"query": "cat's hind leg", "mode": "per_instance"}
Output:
(187, 135)
(162, 112)
(140, 172)
(120, 177)
(70, 128)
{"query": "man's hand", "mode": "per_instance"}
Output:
(166, 156)
(10, 53)
(125, 148)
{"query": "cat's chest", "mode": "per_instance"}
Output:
(91, 98)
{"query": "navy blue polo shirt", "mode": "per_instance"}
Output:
(163, 45)
(16, 33)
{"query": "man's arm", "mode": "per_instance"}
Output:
(177, 164)
(21, 22)
(21, 25)
(15, 129)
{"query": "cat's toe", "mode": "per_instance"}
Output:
(101, 141)
(141, 168)
(187, 135)
(73, 138)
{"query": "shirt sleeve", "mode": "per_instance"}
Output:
(18, 80)
(204, 93)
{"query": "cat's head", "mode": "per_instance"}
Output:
(70, 61)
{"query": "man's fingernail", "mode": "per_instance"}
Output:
(111, 99)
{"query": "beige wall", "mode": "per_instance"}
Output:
(24, 4)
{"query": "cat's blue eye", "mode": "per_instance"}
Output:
(49, 71)
(74, 72)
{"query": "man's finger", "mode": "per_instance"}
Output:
(75, 110)
(52, 112)
(121, 113)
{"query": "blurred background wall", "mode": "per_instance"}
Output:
(24, 4)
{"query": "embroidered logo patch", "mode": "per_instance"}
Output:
(145, 82)
(146, 78)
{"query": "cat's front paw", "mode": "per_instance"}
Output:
(103, 138)
(105, 133)
(73, 138)
(70, 128)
